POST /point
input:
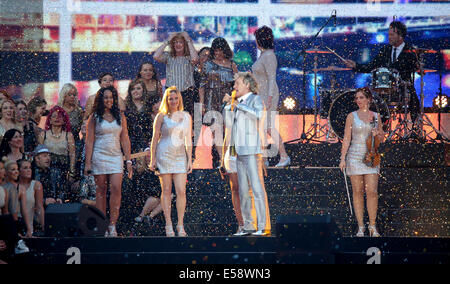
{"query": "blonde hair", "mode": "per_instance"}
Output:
(249, 80)
(64, 92)
(164, 108)
(11, 102)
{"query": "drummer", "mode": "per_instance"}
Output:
(397, 55)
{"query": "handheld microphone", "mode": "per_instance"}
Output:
(233, 99)
(335, 18)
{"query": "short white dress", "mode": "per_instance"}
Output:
(358, 148)
(107, 157)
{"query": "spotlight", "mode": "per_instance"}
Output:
(441, 101)
(289, 103)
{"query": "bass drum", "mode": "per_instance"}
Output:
(345, 104)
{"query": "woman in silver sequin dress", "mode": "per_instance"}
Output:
(358, 126)
(171, 155)
(107, 135)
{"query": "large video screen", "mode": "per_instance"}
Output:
(120, 43)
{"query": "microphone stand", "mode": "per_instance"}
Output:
(304, 53)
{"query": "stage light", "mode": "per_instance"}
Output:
(289, 103)
(441, 101)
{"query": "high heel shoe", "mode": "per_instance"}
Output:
(284, 162)
(181, 231)
(373, 232)
(112, 231)
(360, 232)
(169, 231)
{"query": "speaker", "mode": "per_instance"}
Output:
(74, 220)
(306, 239)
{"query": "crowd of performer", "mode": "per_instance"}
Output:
(83, 153)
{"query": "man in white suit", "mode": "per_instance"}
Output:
(245, 121)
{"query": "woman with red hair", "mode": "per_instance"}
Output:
(59, 140)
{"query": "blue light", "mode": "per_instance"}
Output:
(380, 38)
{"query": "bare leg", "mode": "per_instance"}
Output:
(101, 182)
(166, 197)
(234, 184)
(115, 198)
(150, 204)
(358, 198)
(371, 182)
(180, 187)
(157, 209)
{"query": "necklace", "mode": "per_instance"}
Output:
(55, 136)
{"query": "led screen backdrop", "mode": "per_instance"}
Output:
(119, 43)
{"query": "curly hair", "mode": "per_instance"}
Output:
(61, 113)
(221, 43)
(99, 104)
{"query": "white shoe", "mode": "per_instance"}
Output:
(112, 232)
(21, 248)
(284, 162)
(260, 233)
(360, 232)
(242, 232)
(239, 231)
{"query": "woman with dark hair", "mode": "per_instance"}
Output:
(218, 80)
(149, 180)
(29, 134)
(265, 72)
(148, 75)
(12, 145)
(105, 80)
(107, 135)
(358, 126)
(139, 110)
(59, 139)
(180, 63)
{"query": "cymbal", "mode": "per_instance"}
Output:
(421, 50)
(317, 51)
(332, 68)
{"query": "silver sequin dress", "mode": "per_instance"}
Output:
(171, 155)
(107, 157)
(358, 148)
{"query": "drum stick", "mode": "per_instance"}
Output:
(332, 51)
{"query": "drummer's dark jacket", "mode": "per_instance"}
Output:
(406, 63)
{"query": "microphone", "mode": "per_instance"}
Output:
(334, 17)
(233, 99)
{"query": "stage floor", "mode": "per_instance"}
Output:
(235, 250)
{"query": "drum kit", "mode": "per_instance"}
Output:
(391, 98)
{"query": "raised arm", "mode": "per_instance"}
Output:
(159, 53)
